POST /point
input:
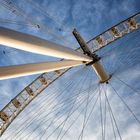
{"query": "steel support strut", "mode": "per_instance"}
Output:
(98, 68)
(100, 71)
(37, 45)
(7, 72)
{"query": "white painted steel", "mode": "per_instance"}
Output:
(100, 71)
(37, 45)
(14, 71)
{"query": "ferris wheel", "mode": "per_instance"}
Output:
(59, 114)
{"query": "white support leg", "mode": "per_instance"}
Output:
(101, 73)
(37, 45)
(14, 71)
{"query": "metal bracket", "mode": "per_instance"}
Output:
(94, 61)
(85, 47)
(82, 43)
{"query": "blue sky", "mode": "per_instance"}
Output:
(90, 17)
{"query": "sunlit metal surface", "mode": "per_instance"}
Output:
(16, 105)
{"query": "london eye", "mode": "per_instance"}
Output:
(80, 90)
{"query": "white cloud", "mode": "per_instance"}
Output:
(89, 17)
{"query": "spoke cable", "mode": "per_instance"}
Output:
(127, 85)
(101, 114)
(80, 114)
(69, 114)
(44, 108)
(125, 104)
(85, 115)
(113, 117)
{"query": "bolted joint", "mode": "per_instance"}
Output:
(95, 59)
(95, 63)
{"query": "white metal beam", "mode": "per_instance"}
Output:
(100, 71)
(7, 72)
(37, 45)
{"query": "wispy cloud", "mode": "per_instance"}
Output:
(90, 17)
